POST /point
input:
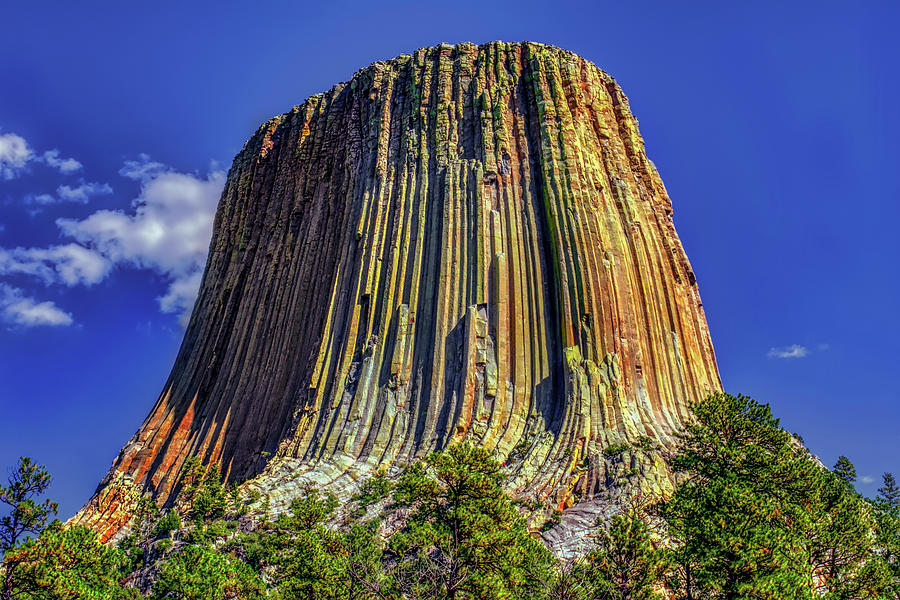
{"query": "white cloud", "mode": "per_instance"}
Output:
(70, 264)
(65, 165)
(867, 479)
(793, 351)
(40, 199)
(181, 295)
(18, 309)
(83, 192)
(14, 155)
(143, 169)
(168, 231)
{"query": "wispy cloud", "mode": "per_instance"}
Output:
(15, 154)
(167, 232)
(83, 192)
(69, 264)
(65, 166)
(18, 309)
(867, 479)
(786, 352)
(796, 351)
(143, 169)
(40, 199)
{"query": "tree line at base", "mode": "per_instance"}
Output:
(752, 516)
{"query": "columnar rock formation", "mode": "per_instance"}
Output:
(465, 243)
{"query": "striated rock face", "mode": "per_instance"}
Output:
(465, 243)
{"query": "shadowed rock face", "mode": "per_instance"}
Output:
(465, 243)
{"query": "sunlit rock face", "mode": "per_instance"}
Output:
(468, 243)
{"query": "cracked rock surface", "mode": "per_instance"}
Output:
(467, 243)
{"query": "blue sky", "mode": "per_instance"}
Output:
(773, 125)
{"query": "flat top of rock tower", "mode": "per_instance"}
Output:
(535, 48)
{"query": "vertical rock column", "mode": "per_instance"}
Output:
(468, 243)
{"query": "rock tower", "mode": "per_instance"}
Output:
(467, 243)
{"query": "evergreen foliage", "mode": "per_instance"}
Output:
(753, 516)
(889, 493)
(887, 533)
(136, 545)
(202, 490)
(464, 537)
(26, 514)
(203, 573)
(624, 564)
(69, 563)
(839, 542)
(373, 490)
(321, 562)
(844, 470)
(167, 524)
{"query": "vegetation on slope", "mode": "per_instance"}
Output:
(752, 516)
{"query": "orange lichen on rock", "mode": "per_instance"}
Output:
(468, 243)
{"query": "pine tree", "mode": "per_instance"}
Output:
(203, 573)
(889, 493)
(756, 516)
(464, 537)
(26, 515)
(570, 582)
(624, 565)
(69, 563)
(729, 519)
(844, 470)
(312, 565)
(887, 515)
(202, 491)
(63, 563)
(135, 546)
(837, 534)
(314, 560)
